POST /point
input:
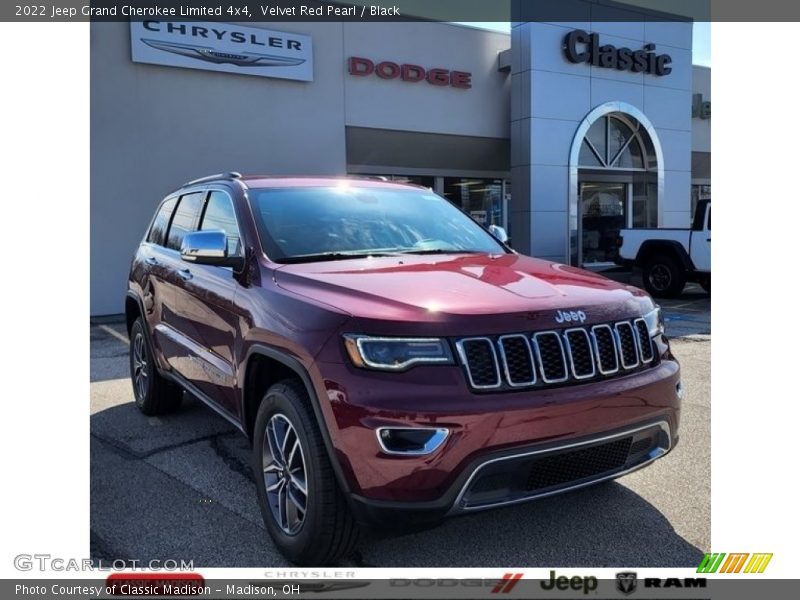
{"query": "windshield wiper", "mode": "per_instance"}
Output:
(327, 256)
(439, 251)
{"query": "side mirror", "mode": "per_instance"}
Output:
(209, 248)
(499, 233)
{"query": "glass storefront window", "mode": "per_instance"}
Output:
(423, 180)
(700, 192)
(617, 187)
(644, 209)
(603, 214)
(482, 199)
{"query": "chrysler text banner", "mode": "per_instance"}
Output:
(223, 47)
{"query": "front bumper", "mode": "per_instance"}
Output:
(495, 438)
(522, 475)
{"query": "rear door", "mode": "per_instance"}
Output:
(154, 271)
(701, 244)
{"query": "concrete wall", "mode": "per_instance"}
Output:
(552, 96)
(481, 111)
(701, 128)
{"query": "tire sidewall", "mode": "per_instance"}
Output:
(676, 283)
(280, 399)
(137, 329)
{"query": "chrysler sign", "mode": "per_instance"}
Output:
(223, 47)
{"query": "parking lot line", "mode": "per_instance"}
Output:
(114, 333)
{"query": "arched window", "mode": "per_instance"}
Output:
(616, 141)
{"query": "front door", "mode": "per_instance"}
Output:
(604, 209)
(205, 315)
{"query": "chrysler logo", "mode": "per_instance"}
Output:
(239, 59)
(626, 582)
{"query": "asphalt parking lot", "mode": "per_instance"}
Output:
(179, 487)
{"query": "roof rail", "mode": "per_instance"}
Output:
(226, 175)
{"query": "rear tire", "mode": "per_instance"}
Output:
(663, 276)
(706, 284)
(304, 510)
(154, 394)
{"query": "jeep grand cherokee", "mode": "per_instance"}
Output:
(387, 357)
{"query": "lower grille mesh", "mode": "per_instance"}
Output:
(566, 467)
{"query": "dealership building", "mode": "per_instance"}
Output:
(561, 132)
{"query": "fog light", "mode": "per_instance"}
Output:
(679, 390)
(411, 441)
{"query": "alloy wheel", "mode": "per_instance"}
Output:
(284, 474)
(140, 371)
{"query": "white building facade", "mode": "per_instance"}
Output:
(513, 129)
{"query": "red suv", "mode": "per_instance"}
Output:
(388, 357)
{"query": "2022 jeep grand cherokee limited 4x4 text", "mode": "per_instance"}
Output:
(387, 356)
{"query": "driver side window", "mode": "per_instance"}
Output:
(219, 215)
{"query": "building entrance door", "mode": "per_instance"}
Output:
(604, 211)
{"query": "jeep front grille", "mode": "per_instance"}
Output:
(548, 358)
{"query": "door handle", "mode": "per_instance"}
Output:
(185, 274)
(152, 261)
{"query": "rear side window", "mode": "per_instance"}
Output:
(185, 219)
(158, 231)
(219, 216)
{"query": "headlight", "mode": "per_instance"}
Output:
(655, 321)
(396, 354)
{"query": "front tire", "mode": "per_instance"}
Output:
(303, 508)
(663, 277)
(153, 394)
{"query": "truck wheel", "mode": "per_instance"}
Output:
(663, 277)
(154, 395)
(303, 508)
(706, 284)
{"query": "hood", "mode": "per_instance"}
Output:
(431, 288)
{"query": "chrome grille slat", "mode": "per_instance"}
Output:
(643, 341)
(627, 346)
(485, 376)
(546, 357)
(519, 361)
(579, 352)
(603, 340)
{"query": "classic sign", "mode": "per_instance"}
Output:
(583, 47)
(223, 47)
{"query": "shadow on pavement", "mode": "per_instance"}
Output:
(179, 487)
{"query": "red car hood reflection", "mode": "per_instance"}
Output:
(392, 287)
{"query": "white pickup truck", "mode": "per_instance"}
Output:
(670, 257)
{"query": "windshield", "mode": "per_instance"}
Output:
(306, 224)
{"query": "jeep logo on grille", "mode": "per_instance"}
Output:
(577, 316)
